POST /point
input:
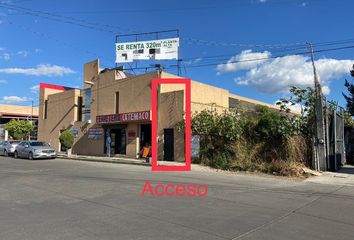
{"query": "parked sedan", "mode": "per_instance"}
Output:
(8, 147)
(34, 149)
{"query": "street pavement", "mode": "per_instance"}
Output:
(66, 199)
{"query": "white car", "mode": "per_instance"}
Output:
(8, 147)
(34, 149)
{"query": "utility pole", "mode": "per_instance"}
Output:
(320, 146)
(159, 68)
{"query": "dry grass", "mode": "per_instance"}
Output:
(278, 159)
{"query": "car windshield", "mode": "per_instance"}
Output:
(14, 142)
(38, 144)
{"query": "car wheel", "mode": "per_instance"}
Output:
(6, 154)
(30, 156)
(16, 154)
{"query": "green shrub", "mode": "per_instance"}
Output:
(221, 161)
(67, 138)
(19, 129)
(263, 141)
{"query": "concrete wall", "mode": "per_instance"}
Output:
(203, 96)
(134, 96)
(170, 113)
(15, 109)
(91, 71)
(61, 114)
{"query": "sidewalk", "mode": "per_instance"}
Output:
(345, 176)
(120, 160)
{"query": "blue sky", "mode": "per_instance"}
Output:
(49, 41)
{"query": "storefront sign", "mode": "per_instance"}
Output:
(160, 49)
(131, 134)
(124, 117)
(75, 131)
(95, 133)
(195, 145)
(2, 130)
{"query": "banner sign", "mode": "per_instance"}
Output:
(161, 49)
(131, 134)
(75, 131)
(124, 117)
(95, 133)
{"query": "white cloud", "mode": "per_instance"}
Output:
(262, 1)
(243, 61)
(15, 99)
(23, 53)
(294, 107)
(326, 90)
(277, 75)
(40, 70)
(3, 81)
(6, 56)
(304, 4)
(35, 89)
(193, 61)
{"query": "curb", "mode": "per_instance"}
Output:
(118, 161)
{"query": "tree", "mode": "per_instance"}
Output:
(67, 138)
(350, 97)
(19, 129)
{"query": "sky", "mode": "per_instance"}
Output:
(253, 48)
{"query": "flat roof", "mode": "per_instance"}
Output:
(17, 110)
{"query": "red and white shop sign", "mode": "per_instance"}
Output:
(124, 117)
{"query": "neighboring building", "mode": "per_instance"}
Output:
(116, 104)
(8, 112)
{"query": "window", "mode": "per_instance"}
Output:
(88, 104)
(79, 109)
(117, 103)
(45, 109)
(39, 144)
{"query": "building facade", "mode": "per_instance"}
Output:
(9, 112)
(117, 105)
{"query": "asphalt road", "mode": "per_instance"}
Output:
(65, 199)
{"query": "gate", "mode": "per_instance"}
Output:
(334, 125)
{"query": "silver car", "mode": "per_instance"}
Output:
(34, 149)
(8, 147)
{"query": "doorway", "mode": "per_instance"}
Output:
(145, 135)
(118, 138)
(168, 145)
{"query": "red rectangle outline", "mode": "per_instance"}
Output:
(154, 85)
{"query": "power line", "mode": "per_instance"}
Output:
(45, 35)
(108, 28)
(248, 60)
(53, 17)
(270, 57)
(65, 19)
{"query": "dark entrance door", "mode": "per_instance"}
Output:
(118, 145)
(145, 135)
(168, 146)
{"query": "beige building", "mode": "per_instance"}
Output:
(115, 104)
(9, 112)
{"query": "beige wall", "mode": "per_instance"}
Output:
(15, 109)
(170, 113)
(134, 95)
(91, 71)
(61, 114)
(203, 96)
